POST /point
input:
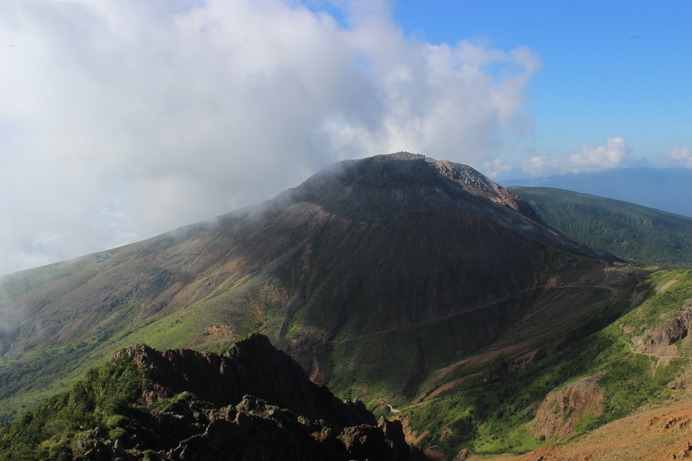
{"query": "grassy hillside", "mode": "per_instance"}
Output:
(516, 403)
(624, 229)
(50, 431)
(506, 399)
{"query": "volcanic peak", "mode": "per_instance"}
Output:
(403, 183)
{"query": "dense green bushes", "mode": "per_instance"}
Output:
(102, 399)
(624, 229)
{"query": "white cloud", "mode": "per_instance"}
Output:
(497, 167)
(122, 119)
(614, 154)
(679, 157)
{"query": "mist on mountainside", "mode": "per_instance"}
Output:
(407, 282)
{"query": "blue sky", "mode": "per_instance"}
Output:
(122, 119)
(609, 68)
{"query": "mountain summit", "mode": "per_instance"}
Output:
(404, 183)
(374, 275)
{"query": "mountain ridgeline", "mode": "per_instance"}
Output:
(397, 279)
(658, 188)
(624, 229)
(252, 402)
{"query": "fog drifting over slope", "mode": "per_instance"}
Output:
(120, 120)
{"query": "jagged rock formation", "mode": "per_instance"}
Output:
(672, 330)
(561, 410)
(251, 403)
(251, 367)
(251, 430)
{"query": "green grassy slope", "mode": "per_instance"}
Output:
(489, 402)
(624, 229)
(492, 409)
(101, 399)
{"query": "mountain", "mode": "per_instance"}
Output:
(410, 283)
(252, 402)
(665, 189)
(624, 229)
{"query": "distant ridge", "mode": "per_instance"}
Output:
(630, 231)
(667, 189)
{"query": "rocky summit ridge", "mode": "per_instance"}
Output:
(250, 367)
(403, 183)
(252, 402)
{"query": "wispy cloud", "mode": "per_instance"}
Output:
(122, 119)
(679, 157)
(615, 153)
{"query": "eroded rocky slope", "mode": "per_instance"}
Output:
(252, 402)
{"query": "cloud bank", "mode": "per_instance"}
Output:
(679, 157)
(123, 119)
(614, 154)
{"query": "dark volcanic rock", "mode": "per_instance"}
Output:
(252, 366)
(400, 184)
(265, 432)
(252, 403)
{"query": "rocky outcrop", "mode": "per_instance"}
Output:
(251, 367)
(672, 330)
(562, 409)
(253, 430)
(251, 403)
(661, 341)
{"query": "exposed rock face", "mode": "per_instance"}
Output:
(404, 183)
(252, 366)
(673, 330)
(662, 340)
(253, 430)
(251, 403)
(562, 409)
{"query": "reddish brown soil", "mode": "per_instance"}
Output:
(656, 434)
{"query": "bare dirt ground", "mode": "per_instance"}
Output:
(656, 434)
